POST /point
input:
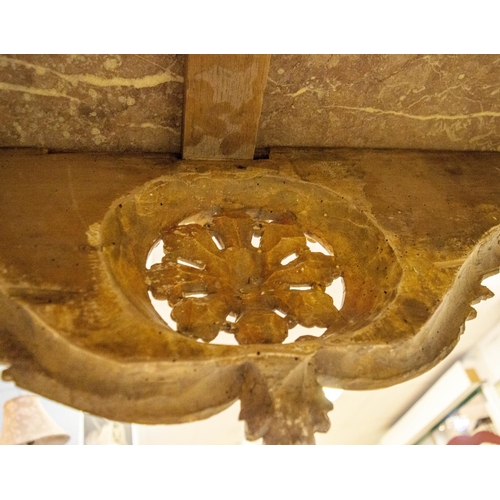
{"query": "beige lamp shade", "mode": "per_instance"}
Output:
(25, 421)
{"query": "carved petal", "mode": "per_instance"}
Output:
(172, 237)
(274, 233)
(282, 249)
(194, 243)
(201, 317)
(310, 307)
(234, 229)
(261, 327)
(171, 281)
(309, 268)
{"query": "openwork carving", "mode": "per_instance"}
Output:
(237, 257)
(77, 322)
(254, 277)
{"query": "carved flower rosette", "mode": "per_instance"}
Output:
(254, 277)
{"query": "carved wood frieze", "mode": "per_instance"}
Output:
(410, 234)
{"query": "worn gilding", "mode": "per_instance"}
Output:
(411, 234)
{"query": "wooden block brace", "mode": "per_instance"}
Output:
(222, 105)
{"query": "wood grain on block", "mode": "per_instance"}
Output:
(222, 105)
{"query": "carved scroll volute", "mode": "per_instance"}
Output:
(77, 321)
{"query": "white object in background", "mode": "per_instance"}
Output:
(26, 422)
(257, 441)
(489, 356)
(492, 404)
(332, 394)
(450, 390)
(111, 433)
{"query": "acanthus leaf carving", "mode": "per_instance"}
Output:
(287, 408)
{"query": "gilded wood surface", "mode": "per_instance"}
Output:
(413, 234)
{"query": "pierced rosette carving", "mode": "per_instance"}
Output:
(245, 275)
